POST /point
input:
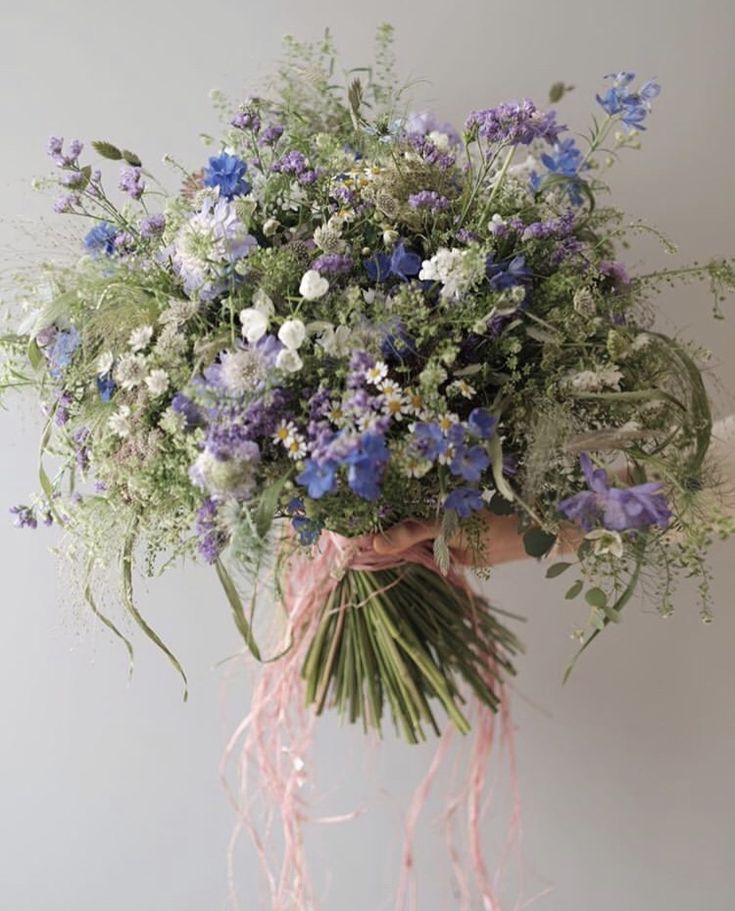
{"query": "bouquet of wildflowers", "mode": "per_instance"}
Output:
(348, 316)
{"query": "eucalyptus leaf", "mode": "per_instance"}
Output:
(574, 590)
(538, 542)
(596, 597)
(557, 569)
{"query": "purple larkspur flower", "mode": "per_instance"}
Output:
(615, 508)
(514, 123)
(632, 107)
(246, 120)
(464, 501)
(481, 423)
(428, 440)
(469, 463)
(401, 263)
(366, 464)
(507, 273)
(61, 351)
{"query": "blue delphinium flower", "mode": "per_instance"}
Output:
(101, 238)
(469, 462)
(506, 273)
(366, 464)
(564, 160)
(464, 501)
(398, 345)
(631, 107)
(106, 386)
(402, 264)
(307, 530)
(429, 441)
(616, 508)
(481, 423)
(319, 478)
(228, 173)
(62, 350)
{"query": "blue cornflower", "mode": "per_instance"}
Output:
(464, 501)
(469, 463)
(616, 508)
(106, 386)
(507, 273)
(428, 440)
(228, 173)
(101, 238)
(366, 464)
(319, 478)
(481, 423)
(401, 264)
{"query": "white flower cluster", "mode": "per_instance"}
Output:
(456, 270)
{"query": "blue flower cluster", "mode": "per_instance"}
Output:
(227, 172)
(365, 462)
(631, 107)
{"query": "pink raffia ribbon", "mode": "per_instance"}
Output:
(270, 745)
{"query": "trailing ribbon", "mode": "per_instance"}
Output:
(274, 738)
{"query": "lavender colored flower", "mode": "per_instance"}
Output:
(153, 225)
(73, 179)
(271, 134)
(423, 122)
(131, 182)
(211, 540)
(227, 172)
(333, 263)
(615, 272)
(615, 508)
(246, 120)
(428, 199)
(513, 123)
(25, 517)
(464, 501)
(469, 463)
(430, 152)
(68, 159)
(101, 238)
(67, 202)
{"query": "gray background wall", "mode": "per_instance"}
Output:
(109, 797)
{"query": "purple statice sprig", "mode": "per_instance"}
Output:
(615, 508)
(513, 123)
(429, 201)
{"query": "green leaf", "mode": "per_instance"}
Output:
(267, 506)
(499, 506)
(598, 619)
(558, 90)
(131, 158)
(596, 597)
(238, 611)
(495, 448)
(107, 150)
(538, 542)
(34, 354)
(574, 591)
(556, 570)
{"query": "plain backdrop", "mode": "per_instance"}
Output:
(109, 795)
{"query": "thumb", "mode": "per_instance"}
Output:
(404, 535)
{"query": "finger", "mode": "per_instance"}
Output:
(403, 536)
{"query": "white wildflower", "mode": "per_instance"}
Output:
(178, 312)
(463, 388)
(377, 373)
(313, 285)
(242, 371)
(289, 361)
(595, 380)
(157, 382)
(119, 422)
(605, 542)
(292, 334)
(456, 270)
(254, 324)
(130, 371)
(140, 338)
(105, 362)
(336, 342)
(641, 341)
(172, 422)
(496, 224)
(584, 302)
